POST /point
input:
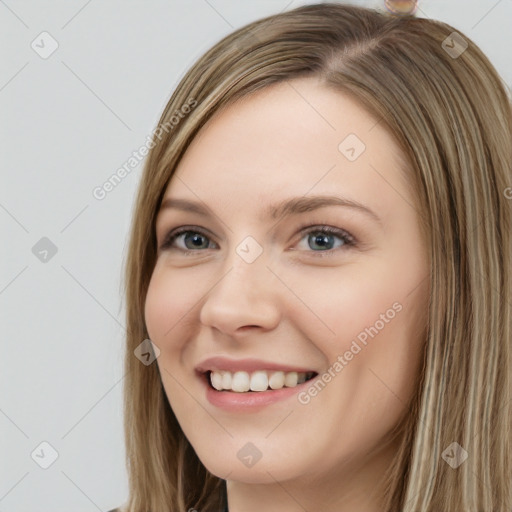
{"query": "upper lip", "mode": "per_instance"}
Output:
(248, 365)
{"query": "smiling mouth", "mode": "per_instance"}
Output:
(261, 380)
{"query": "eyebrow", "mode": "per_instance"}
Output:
(293, 206)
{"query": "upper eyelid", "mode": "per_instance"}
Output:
(179, 230)
(221, 238)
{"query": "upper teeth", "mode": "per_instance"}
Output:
(260, 380)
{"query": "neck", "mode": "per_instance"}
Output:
(346, 488)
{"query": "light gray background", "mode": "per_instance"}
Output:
(67, 123)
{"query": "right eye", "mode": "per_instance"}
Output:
(186, 240)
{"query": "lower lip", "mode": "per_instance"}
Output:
(251, 400)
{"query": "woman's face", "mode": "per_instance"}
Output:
(266, 294)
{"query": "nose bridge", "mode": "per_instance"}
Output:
(245, 270)
(244, 294)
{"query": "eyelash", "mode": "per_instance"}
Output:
(349, 241)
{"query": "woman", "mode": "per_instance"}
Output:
(318, 278)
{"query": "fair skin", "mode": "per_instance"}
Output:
(291, 306)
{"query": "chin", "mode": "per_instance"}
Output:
(258, 474)
(266, 470)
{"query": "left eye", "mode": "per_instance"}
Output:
(191, 240)
(323, 237)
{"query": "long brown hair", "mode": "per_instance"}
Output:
(450, 114)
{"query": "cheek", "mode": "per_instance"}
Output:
(346, 301)
(375, 315)
(379, 320)
(169, 304)
(373, 358)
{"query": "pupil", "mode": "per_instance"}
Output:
(195, 238)
(322, 240)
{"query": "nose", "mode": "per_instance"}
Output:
(245, 295)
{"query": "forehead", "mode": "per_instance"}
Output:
(292, 138)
